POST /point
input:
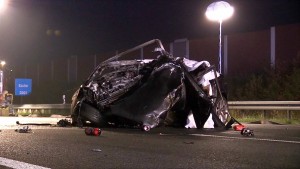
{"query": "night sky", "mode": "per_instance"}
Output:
(42, 29)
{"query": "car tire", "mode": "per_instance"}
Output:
(220, 113)
(91, 114)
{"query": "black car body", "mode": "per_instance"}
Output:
(148, 93)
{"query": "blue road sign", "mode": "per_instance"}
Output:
(22, 87)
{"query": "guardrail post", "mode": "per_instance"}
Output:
(243, 113)
(289, 116)
(264, 117)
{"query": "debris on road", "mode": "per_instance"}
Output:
(24, 129)
(146, 128)
(39, 124)
(188, 142)
(96, 150)
(64, 123)
(92, 131)
(247, 132)
(238, 127)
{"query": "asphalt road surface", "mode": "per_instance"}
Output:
(273, 146)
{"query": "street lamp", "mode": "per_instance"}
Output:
(219, 11)
(2, 63)
(3, 5)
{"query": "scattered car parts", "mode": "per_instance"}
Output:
(247, 132)
(40, 124)
(24, 129)
(238, 127)
(64, 123)
(92, 131)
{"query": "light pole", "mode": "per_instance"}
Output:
(2, 63)
(219, 11)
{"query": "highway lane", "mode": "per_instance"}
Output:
(273, 146)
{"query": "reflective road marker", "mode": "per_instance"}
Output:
(18, 164)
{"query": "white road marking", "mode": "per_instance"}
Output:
(247, 138)
(18, 164)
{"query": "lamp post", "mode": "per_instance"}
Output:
(2, 63)
(3, 6)
(219, 11)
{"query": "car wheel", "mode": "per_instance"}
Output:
(91, 114)
(221, 115)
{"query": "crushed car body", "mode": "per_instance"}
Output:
(153, 92)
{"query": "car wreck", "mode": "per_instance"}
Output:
(147, 93)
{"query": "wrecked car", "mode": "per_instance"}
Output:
(146, 93)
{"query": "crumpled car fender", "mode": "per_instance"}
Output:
(153, 99)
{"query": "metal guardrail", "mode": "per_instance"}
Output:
(41, 109)
(41, 106)
(264, 105)
(49, 109)
(233, 105)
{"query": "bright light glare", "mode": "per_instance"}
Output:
(2, 63)
(219, 11)
(3, 5)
